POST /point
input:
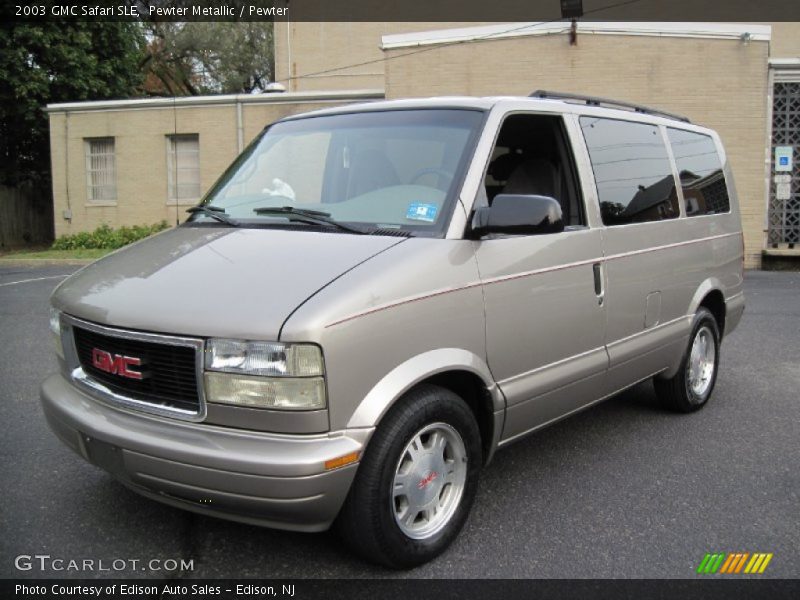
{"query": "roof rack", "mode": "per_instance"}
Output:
(595, 101)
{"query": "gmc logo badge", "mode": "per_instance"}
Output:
(116, 364)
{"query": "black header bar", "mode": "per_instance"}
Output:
(408, 10)
(712, 588)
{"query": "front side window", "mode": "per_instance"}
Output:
(532, 157)
(395, 169)
(704, 189)
(632, 171)
(183, 167)
(101, 173)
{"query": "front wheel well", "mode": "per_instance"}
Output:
(714, 301)
(472, 390)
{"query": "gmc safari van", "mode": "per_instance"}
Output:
(373, 299)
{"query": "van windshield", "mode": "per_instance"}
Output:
(396, 169)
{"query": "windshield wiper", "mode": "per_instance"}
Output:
(303, 215)
(215, 212)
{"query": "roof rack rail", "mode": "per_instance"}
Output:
(595, 101)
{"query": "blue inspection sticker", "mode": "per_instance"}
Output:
(419, 211)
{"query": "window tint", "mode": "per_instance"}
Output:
(632, 171)
(700, 169)
(293, 167)
(532, 157)
(417, 159)
(392, 168)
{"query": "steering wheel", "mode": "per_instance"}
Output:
(432, 171)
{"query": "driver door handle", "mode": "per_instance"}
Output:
(598, 283)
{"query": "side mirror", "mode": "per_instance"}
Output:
(518, 214)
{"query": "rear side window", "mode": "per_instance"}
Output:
(700, 169)
(632, 171)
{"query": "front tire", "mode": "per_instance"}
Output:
(417, 481)
(690, 388)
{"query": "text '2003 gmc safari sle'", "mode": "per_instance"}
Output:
(372, 299)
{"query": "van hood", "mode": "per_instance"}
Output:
(209, 281)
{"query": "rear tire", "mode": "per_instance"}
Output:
(690, 388)
(416, 482)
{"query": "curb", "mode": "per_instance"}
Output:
(45, 262)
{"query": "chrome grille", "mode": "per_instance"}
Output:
(166, 376)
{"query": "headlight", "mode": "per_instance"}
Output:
(264, 358)
(55, 329)
(265, 375)
(288, 393)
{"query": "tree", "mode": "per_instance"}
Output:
(208, 58)
(47, 62)
(51, 62)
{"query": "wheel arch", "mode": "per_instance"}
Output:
(709, 295)
(460, 371)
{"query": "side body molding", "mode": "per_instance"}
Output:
(416, 369)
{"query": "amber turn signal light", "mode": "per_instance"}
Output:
(341, 461)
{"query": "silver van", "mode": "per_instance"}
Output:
(373, 299)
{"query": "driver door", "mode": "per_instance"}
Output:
(545, 315)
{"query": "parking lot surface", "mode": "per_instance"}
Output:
(622, 490)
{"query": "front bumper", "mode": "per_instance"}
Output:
(265, 479)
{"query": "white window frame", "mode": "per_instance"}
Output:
(173, 178)
(91, 181)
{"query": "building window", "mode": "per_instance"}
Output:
(101, 172)
(183, 167)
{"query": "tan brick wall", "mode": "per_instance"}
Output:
(718, 83)
(141, 157)
(319, 47)
(257, 116)
(785, 40)
(141, 161)
(322, 46)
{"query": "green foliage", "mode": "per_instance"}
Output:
(47, 62)
(208, 57)
(104, 237)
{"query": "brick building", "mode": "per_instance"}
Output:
(742, 79)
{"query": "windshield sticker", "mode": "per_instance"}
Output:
(419, 211)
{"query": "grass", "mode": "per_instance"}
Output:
(48, 254)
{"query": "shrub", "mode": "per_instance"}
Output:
(104, 237)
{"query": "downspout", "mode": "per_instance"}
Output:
(289, 52)
(768, 156)
(67, 215)
(239, 126)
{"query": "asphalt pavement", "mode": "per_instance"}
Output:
(622, 490)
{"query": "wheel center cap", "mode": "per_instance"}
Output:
(427, 479)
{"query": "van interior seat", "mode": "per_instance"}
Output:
(535, 176)
(504, 165)
(371, 170)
